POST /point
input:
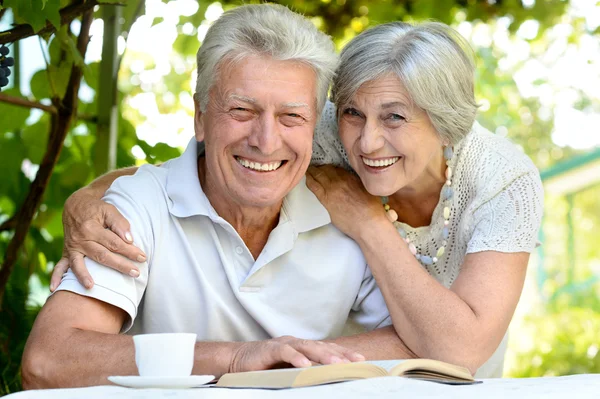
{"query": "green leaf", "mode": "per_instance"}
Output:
(185, 44)
(12, 153)
(67, 44)
(74, 52)
(91, 72)
(35, 138)
(39, 85)
(52, 11)
(53, 83)
(157, 20)
(12, 117)
(76, 174)
(35, 12)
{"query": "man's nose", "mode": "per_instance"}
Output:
(266, 135)
(371, 138)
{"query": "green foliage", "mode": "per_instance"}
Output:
(35, 12)
(24, 135)
(552, 349)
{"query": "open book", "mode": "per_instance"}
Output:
(423, 369)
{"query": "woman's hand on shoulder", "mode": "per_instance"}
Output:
(95, 229)
(345, 198)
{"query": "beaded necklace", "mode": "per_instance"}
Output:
(447, 193)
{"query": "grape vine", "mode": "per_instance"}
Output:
(5, 63)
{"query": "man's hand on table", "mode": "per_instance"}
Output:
(97, 230)
(272, 353)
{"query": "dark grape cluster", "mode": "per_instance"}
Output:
(5, 62)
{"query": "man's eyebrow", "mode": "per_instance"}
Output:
(295, 105)
(298, 105)
(243, 98)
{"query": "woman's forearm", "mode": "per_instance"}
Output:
(380, 344)
(99, 186)
(432, 320)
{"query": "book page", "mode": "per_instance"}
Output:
(431, 368)
(316, 375)
(387, 364)
(279, 378)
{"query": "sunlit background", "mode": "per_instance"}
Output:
(538, 83)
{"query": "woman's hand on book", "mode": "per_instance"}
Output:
(273, 353)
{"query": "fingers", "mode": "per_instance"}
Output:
(117, 223)
(80, 270)
(59, 269)
(105, 257)
(314, 186)
(317, 173)
(349, 354)
(114, 243)
(290, 355)
(320, 352)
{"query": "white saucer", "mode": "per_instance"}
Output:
(135, 381)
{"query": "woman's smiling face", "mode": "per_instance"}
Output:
(390, 141)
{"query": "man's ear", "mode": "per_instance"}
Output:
(198, 121)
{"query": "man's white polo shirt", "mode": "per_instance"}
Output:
(200, 277)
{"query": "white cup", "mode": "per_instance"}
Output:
(164, 355)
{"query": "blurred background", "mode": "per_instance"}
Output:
(538, 83)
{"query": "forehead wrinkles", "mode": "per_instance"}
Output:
(384, 93)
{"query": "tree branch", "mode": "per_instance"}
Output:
(60, 123)
(8, 224)
(67, 14)
(23, 102)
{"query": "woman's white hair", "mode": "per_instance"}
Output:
(265, 29)
(433, 62)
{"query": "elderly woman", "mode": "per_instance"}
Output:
(461, 206)
(445, 212)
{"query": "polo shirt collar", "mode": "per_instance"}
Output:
(301, 207)
(304, 209)
(183, 184)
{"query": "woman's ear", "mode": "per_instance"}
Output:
(198, 121)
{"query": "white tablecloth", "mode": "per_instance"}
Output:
(572, 387)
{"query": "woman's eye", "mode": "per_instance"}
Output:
(396, 117)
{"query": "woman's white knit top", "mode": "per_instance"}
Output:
(497, 203)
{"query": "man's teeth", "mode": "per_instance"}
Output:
(262, 167)
(380, 162)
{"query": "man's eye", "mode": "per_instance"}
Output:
(351, 112)
(292, 119)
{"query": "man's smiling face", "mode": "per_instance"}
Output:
(258, 129)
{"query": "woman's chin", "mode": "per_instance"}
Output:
(379, 190)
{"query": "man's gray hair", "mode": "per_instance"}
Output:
(433, 62)
(265, 29)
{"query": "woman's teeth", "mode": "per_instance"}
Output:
(261, 167)
(380, 163)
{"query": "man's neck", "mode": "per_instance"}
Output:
(253, 224)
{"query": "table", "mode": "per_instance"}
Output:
(575, 387)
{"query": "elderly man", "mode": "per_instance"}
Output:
(238, 250)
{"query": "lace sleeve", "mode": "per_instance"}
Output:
(327, 147)
(510, 221)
